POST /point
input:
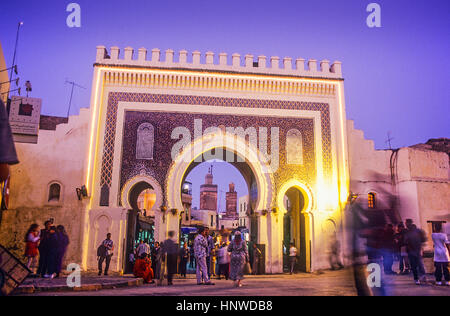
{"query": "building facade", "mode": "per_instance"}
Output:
(231, 202)
(243, 220)
(151, 120)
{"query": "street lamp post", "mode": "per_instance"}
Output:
(15, 50)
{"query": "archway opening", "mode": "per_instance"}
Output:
(223, 194)
(141, 218)
(296, 232)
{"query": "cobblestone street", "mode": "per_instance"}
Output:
(330, 283)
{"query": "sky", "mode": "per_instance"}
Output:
(223, 174)
(396, 76)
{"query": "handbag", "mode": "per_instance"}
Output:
(247, 268)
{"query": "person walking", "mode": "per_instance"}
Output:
(334, 255)
(200, 252)
(170, 250)
(184, 258)
(104, 254)
(292, 258)
(62, 243)
(441, 255)
(224, 261)
(239, 257)
(414, 239)
(257, 254)
(31, 246)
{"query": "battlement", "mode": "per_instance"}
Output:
(247, 64)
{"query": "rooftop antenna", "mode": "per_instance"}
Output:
(71, 93)
(388, 141)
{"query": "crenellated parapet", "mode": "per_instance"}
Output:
(222, 62)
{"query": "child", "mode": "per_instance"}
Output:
(32, 238)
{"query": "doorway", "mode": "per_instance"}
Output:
(296, 231)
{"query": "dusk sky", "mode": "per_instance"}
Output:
(396, 76)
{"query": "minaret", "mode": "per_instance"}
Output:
(208, 193)
(231, 202)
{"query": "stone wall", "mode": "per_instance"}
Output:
(421, 177)
(58, 157)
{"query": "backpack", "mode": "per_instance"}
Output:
(101, 251)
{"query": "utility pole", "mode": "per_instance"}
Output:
(388, 141)
(14, 56)
(71, 93)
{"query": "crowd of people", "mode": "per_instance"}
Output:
(206, 255)
(404, 243)
(45, 249)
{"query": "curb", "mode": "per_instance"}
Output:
(30, 289)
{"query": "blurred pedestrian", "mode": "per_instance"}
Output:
(239, 257)
(334, 253)
(441, 254)
(388, 249)
(31, 246)
(62, 243)
(170, 250)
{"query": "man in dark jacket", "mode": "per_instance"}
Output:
(414, 239)
(170, 249)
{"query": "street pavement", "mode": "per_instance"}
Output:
(327, 283)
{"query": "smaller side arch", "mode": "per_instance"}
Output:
(124, 196)
(304, 189)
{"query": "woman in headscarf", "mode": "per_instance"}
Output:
(142, 268)
(239, 257)
(63, 242)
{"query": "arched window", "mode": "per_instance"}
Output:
(294, 147)
(145, 141)
(371, 200)
(54, 192)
